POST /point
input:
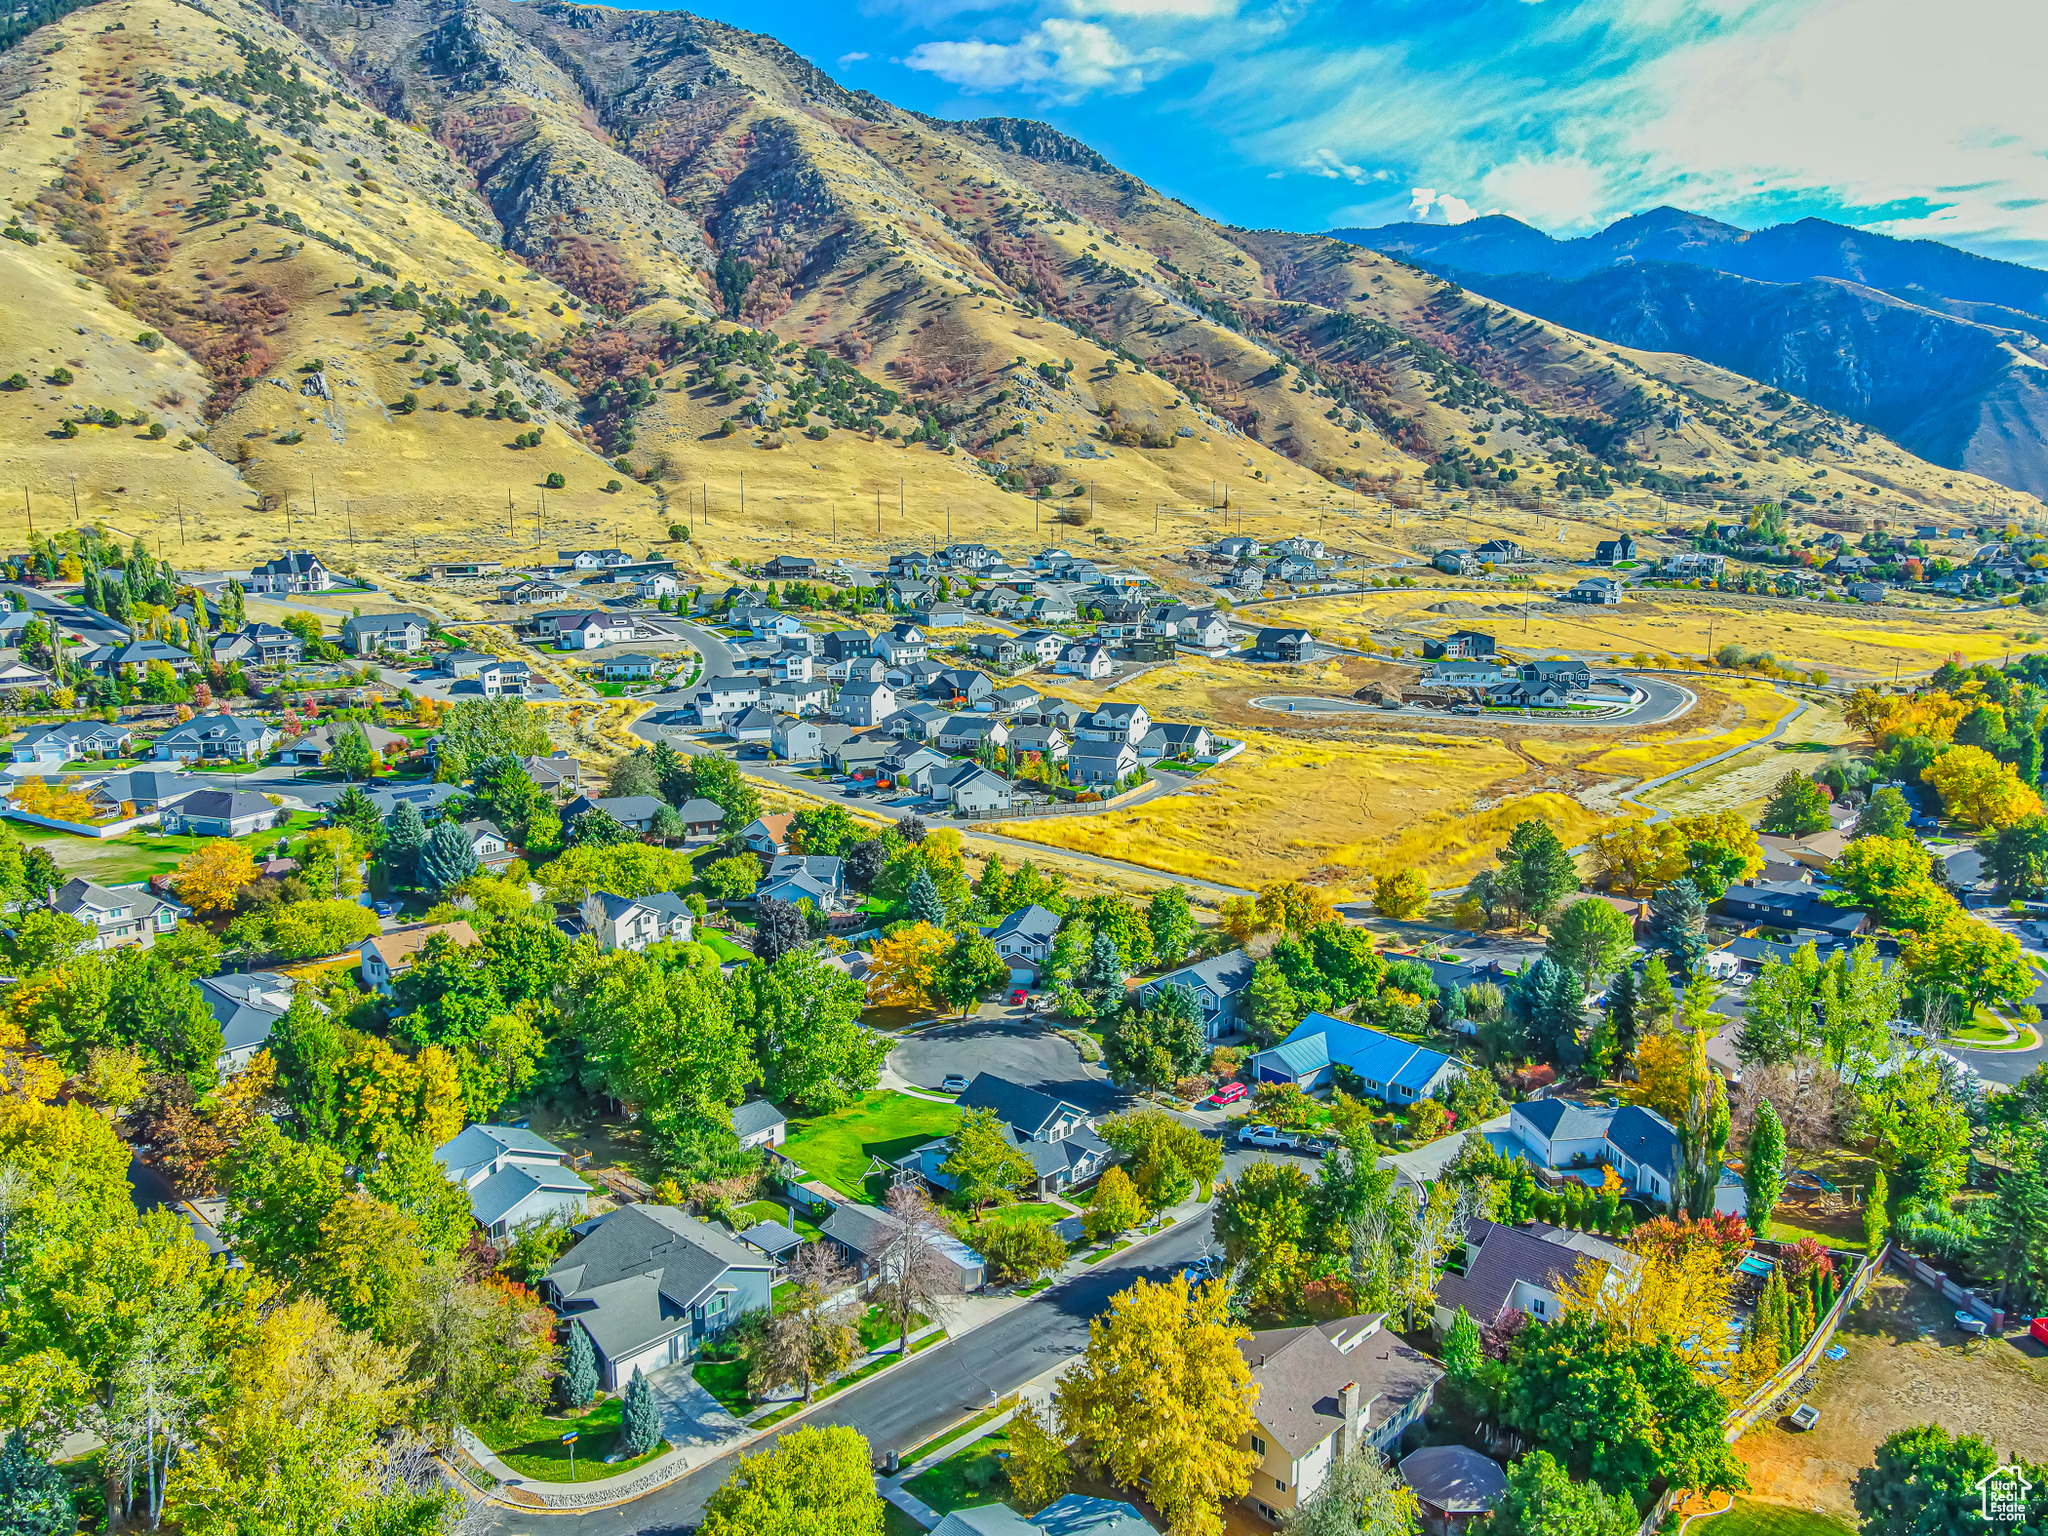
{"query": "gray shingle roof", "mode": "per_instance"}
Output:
(1455, 1478)
(755, 1116)
(632, 1279)
(1300, 1371)
(1024, 1110)
(1032, 922)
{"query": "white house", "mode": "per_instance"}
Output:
(296, 570)
(589, 631)
(1024, 939)
(634, 922)
(795, 740)
(513, 1177)
(116, 918)
(866, 704)
(1087, 658)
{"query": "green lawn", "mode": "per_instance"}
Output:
(532, 1445)
(877, 1329)
(725, 1380)
(139, 854)
(1043, 1212)
(972, 1477)
(1751, 1517)
(912, 1457)
(838, 1147)
(724, 947)
(896, 1522)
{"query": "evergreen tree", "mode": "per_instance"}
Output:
(1623, 1007)
(1679, 914)
(446, 858)
(1763, 1170)
(1536, 870)
(35, 1498)
(639, 1420)
(1103, 979)
(1655, 1000)
(579, 1371)
(671, 774)
(923, 901)
(405, 833)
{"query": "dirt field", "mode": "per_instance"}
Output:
(1893, 1378)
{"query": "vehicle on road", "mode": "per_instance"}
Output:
(1266, 1136)
(1207, 1267)
(953, 1082)
(383, 909)
(1229, 1093)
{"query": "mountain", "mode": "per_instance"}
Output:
(484, 276)
(1941, 349)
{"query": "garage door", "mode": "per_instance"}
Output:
(1022, 976)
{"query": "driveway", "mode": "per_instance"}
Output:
(691, 1418)
(1026, 1051)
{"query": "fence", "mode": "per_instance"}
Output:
(1975, 1304)
(1760, 1401)
(84, 828)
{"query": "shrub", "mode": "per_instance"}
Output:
(554, 481)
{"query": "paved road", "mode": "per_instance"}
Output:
(1662, 702)
(904, 1406)
(1022, 1050)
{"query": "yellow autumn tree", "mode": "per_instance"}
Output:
(387, 1095)
(903, 968)
(1664, 1074)
(1682, 1297)
(212, 876)
(1889, 718)
(332, 864)
(47, 797)
(1977, 788)
(1162, 1396)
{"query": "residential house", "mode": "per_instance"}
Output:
(247, 1006)
(1386, 1068)
(1280, 644)
(758, 1123)
(1615, 551)
(916, 768)
(917, 722)
(793, 667)
(1325, 1392)
(16, 678)
(1096, 763)
(500, 678)
(630, 922)
(1087, 658)
(1598, 590)
(265, 645)
(966, 732)
(1010, 701)
(314, 746)
(1498, 550)
(768, 624)
(1044, 644)
(866, 704)
(388, 956)
(1115, 720)
(1219, 985)
(1024, 939)
(464, 570)
(767, 836)
(1048, 741)
(1057, 1136)
(649, 1285)
(635, 813)
(296, 570)
(429, 798)
(912, 564)
(222, 813)
(1800, 910)
(367, 634)
(1488, 675)
(862, 1234)
(795, 739)
(513, 1177)
(1235, 547)
(629, 667)
(1174, 740)
(1453, 1486)
(559, 772)
(133, 658)
(1003, 650)
(1525, 1269)
(756, 724)
(793, 698)
(815, 878)
(1639, 1144)
(52, 746)
(654, 587)
(701, 818)
(1456, 562)
(1694, 566)
(972, 789)
(858, 669)
(846, 644)
(493, 851)
(1816, 851)
(942, 616)
(962, 685)
(116, 917)
(1209, 634)
(589, 631)
(1464, 645)
(544, 590)
(215, 738)
(722, 699)
(791, 568)
(141, 791)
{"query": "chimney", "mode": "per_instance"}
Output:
(1347, 1410)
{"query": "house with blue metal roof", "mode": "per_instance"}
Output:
(1390, 1069)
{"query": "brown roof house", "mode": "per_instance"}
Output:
(1324, 1392)
(1523, 1269)
(387, 956)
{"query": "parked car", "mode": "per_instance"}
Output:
(1229, 1093)
(1018, 997)
(953, 1082)
(1266, 1136)
(1207, 1267)
(383, 909)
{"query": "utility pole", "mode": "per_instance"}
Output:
(28, 502)
(899, 499)
(949, 522)
(181, 522)
(348, 509)
(704, 500)
(743, 495)
(313, 486)
(74, 500)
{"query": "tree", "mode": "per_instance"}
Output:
(1542, 1500)
(2013, 1240)
(922, 903)
(972, 966)
(213, 875)
(1763, 1167)
(579, 1371)
(809, 1336)
(1624, 1011)
(1591, 939)
(447, 858)
(1102, 979)
(824, 831)
(1271, 1008)
(810, 1482)
(1678, 913)
(598, 828)
(1876, 1214)
(1262, 1217)
(1924, 1482)
(982, 1161)
(1536, 871)
(1039, 1468)
(2016, 857)
(1970, 959)
(1291, 907)
(355, 811)
(1115, 1208)
(1980, 791)
(1885, 814)
(350, 755)
(1891, 877)
(35, 1498)
(1160, 1045)
(639, 1418)
(905, 967)
(1166, 1156)
(405, 833)
(1401, 895)
(479, 1350)
(1655, 1001)
(1796, 807)
(732, 879)
(918, 1275)
(709, 776)
(1703, 1119)
(808, 1037)
(1171, 924)
(1162, 1397)
(1550, 1007)
(779, 929)
(478, 729)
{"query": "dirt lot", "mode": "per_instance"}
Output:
(1894, 1377)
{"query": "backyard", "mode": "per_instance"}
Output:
(137, 855)
(838, 1148)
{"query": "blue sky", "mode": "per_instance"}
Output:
(1912, 117)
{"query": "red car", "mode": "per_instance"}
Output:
(1229, 1093)
(1018, 997)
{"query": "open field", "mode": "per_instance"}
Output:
(137, 855)
(1893, 1378)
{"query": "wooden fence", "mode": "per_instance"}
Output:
(1761, 1401)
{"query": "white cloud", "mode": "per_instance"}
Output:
(1061, 59)
(1177, 10)
(1553, 191)
(850, 58)
(1426, 205)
